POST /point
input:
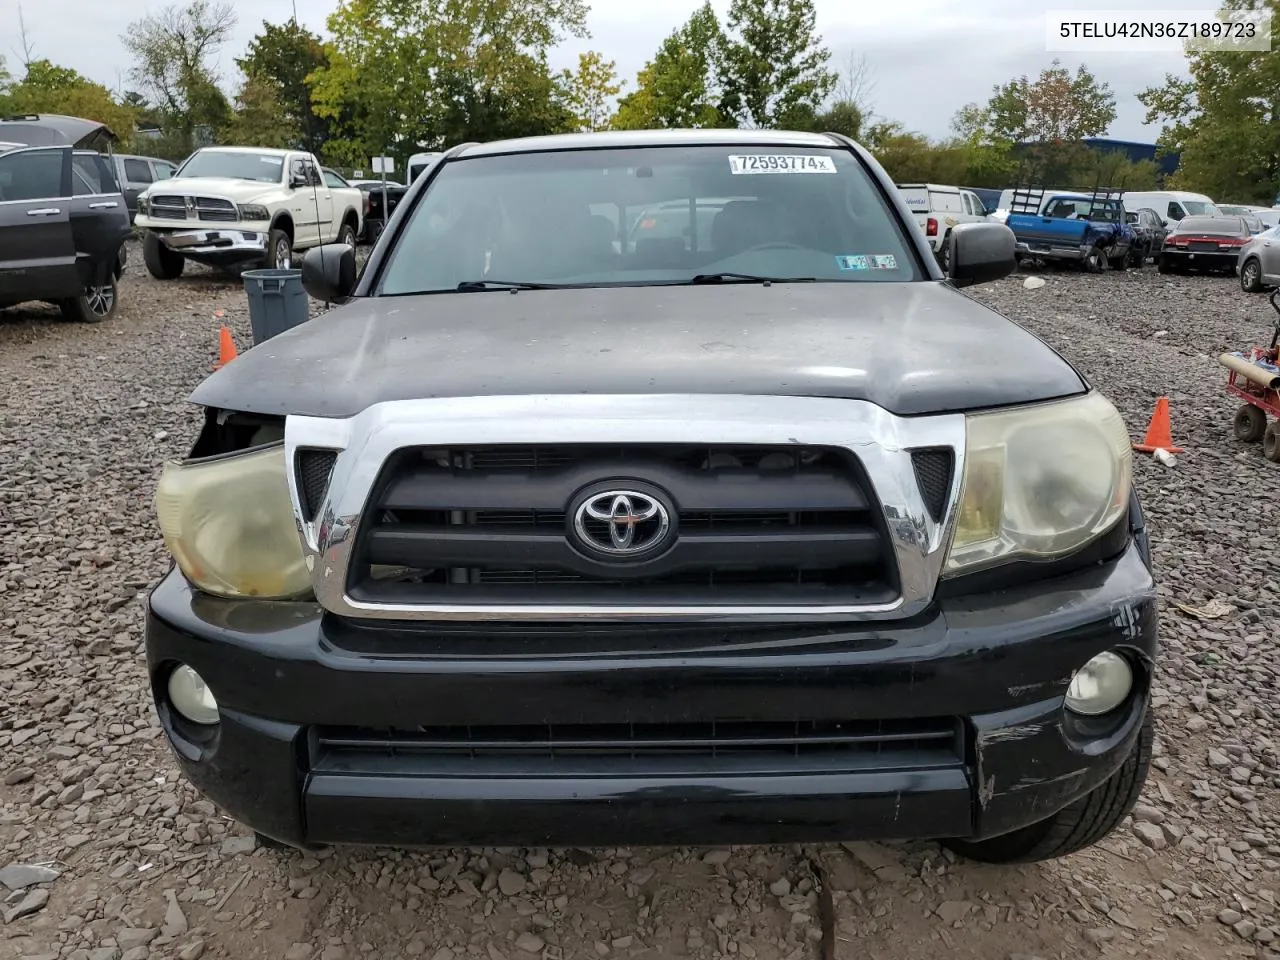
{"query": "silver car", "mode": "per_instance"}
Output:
(1259, 261)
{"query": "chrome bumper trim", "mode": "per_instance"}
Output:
(880, 440)
(206, 240)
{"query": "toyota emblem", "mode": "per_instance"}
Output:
(624, 523)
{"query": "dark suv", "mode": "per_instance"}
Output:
(63, 226)
(763, 533)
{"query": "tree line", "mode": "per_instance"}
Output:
(395, 77)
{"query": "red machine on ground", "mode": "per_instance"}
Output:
(1255, 379)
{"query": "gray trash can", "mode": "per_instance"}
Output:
(277, 301)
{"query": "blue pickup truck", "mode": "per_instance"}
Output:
(1080, 227)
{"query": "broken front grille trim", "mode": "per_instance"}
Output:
(880, 441)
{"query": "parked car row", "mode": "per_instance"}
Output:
(1181, 231)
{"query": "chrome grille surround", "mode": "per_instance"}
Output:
(881, 441)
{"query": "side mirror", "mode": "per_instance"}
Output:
(981, 252)
(297, 181)
(329, 272)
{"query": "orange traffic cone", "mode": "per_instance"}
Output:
(226, 349)
(1159, 432)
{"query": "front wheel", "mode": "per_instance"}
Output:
(1079, 825)
(96, 304)
(162, 263)
(279, 250)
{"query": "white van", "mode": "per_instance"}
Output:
(939, 208)
(1172, 205)
(418, 163)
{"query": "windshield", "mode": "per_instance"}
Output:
(1200, 208)
(234, 165)
(649, 216)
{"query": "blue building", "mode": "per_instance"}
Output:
(1136, 152)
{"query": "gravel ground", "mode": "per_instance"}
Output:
(117, 858)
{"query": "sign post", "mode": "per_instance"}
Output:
(383, 165)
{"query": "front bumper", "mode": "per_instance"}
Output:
(215, 244)
(304, 751)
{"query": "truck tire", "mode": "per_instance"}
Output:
(1079, 825)
(1093, 260)
(279, 250)
(94, 305)
(347, 235)
(162, 263)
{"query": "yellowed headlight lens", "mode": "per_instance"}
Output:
(229, 524)
(1040, 482)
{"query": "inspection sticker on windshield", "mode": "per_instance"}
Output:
(780, 163)
(856, 262)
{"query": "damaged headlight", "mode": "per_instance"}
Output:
(1040, 482)
(228, 522)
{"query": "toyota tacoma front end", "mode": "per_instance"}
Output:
(760, 531)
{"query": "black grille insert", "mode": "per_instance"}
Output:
(755, 525)
(313, 470)
(843, 744)
(933, 469)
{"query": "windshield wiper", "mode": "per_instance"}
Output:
(746, 278)
(470, 285)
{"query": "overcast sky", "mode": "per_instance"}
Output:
(926, 57)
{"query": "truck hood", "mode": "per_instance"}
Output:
(912, 348)
(242, 191)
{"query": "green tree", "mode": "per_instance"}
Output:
(408, 74)
(49, 88)
(1224, 119)
(679, 86)
(589, 91)
(173, 52)
(1049, 117)
(259, 118)
(774, 67)
(283, 56)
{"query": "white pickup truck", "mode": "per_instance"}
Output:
(236, 206)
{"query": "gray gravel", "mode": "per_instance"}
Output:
(106, 854)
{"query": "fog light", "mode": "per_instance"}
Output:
(191, 696)
(1100, 685)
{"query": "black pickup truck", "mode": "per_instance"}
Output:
(561, 531)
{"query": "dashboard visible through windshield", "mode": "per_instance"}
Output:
(651, 215)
